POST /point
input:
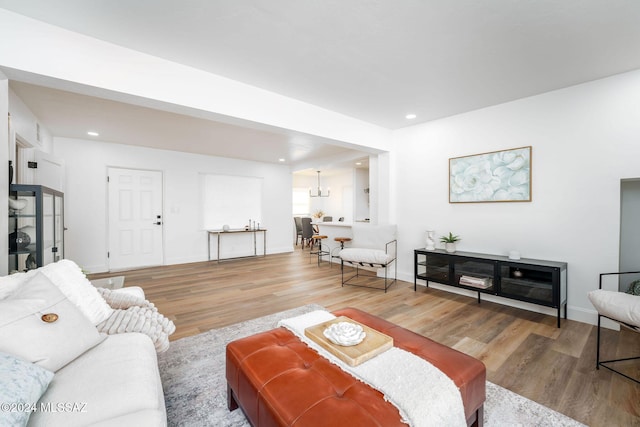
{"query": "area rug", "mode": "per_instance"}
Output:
(193, 378)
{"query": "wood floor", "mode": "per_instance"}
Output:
(523, 351)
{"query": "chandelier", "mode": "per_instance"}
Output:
(318, 192)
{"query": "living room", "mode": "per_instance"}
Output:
(584, 140)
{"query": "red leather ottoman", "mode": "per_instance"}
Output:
(278, 380)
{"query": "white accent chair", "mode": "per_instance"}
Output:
(373, 246)
(621, 307)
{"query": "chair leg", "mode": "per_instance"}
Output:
(605, 363)
(387, 280)
(598, 345)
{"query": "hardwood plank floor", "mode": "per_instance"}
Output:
(523, 351)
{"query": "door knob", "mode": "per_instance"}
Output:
(158, 223)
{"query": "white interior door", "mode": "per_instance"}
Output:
(135, 218)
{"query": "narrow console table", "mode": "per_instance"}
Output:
(530, 280)
(218, 233)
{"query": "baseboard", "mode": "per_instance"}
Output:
(104, 268)
(573, 313)
(183, 260)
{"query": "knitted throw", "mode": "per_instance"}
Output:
(134, 314)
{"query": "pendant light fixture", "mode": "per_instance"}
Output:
(319, 192)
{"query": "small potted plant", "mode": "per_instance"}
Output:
(450, 242)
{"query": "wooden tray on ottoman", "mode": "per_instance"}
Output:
(373, 344)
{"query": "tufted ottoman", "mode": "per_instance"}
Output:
(278, 381)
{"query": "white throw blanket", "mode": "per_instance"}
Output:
(423, 394)
(134, 314)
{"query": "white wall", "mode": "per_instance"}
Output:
(585, 139)
(4, 177)
(184, 239)
(361, 198)
(25, 123)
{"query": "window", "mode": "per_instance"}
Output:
(230, 200)
(300, 201)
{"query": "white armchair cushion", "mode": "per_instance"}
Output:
(25, 333)
(369, 236)
(370, 244)
(367, 256)
(618, 306)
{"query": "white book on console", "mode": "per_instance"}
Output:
(475, 281)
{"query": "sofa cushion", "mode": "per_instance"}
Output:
(21, 384)
(71, 281)
(40, 325)
(118, 382)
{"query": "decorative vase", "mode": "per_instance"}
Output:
(450, 247)
(18, 240)
(30, 263)
(30, 230)
(431, 243)
(17, 204)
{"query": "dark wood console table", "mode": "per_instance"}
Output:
(530, 280)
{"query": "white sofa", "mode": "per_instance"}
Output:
(53, 359)
(117, 381)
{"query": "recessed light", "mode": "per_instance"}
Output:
(410, 116)
(358, 163)
(281, 160)
(93, 133)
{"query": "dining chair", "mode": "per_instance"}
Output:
(307, 231)
(297, 221)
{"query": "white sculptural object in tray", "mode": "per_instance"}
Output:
(345, 333)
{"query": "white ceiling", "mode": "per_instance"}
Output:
(375, 60)
(72, 115)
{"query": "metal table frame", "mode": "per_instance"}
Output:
(255, 248)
